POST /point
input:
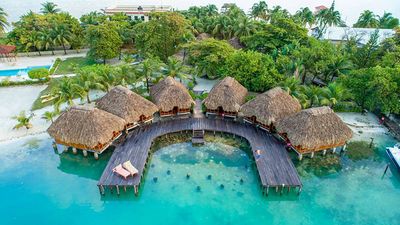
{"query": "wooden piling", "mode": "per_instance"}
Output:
(74, 151)
(85, 153)
(96, 155)
(117, 187)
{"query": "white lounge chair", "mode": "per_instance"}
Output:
(130, 168)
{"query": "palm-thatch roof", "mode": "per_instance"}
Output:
(203, 36)
(314, 129)
(271, 106)
(126, 104)
(235, 42)
(228, 94)
(85, 127)
(169, 93)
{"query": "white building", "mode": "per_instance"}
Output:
(362, 35)
(137, 12)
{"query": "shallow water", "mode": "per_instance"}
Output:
(38, 185)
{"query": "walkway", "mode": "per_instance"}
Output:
(275, 168)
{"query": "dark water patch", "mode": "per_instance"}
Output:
(319, 166)
(359, 150)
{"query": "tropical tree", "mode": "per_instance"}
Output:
(339, 66)
(291, 85)
(277, 13)
(23, 120)
(125, 74)
(93, 18)
(327, 17)
(387, 21)
(311, 96)
(259, 10)
(148, 69)
(34, 40)
(49, 8)
(367, 19)
(174, 68)
(3, 20)
(49, 115)
(85, 80)
(64, 91)
(305, 16)
(47, 40)
(335, 94)
(62, 35)
(244, 27)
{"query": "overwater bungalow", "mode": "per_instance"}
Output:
(268, 108)
(314, 129)
(131, 107)
(171, 97)
(225, 98)
(86, 128)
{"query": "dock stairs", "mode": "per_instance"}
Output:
(198, 137)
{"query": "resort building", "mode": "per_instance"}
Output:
(131, 107)
(314, 129)
(86, 128)
(225, 98)
(268, 108)
(137, 12)
(171, 97)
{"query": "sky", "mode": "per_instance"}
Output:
(350, 9)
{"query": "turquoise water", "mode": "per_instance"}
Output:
(39, 187)
(21, 71)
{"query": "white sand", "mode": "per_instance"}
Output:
(364, 126)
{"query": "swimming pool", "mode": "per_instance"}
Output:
(20, 71)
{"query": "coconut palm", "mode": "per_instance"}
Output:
(259, 10)
(367, 19)
(244, 27)
(175, 69)
(85, 80)
(23, 120)
(305, 16)
(105, 77)
(291, 85)
(328, 17)
(311, 96)
(34, 40)
(47, 40)
(65, 91)
(49, 116)
(387, 21)
(211, 10)
(334, 94)
(277, 13)
(62, 35)
(339, 66)
(125, 74)
(3, 20)
(148, 69)
(49, 7)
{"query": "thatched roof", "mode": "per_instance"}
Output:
(235, 42)
(203, 36)
(314, 129)
(169, 93)
(228, 94)
(271, 106)
(85, 127)
(126, 104)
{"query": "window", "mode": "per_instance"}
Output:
(142, 17)
(136, 17)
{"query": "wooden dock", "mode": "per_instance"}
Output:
(275, 168)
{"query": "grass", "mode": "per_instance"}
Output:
(68, 65)
(37, 104)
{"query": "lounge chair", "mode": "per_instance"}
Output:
(129, 167)
(121, 171)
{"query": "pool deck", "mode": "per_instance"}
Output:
(275, 168)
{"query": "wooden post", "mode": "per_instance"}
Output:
(299, 190)
(288, 189)
(276, 189)
(102, 189)
(267, 189)
(312, 155)
(136, 190)
(334, 150)
(117, 187)
(96, 155)
(300, 156)
(65, 148)
(324, 152)
(74, 150)
(84, 153)
(124, 188)
(283, 187)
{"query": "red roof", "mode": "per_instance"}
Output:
(7, 49)
(321, 7)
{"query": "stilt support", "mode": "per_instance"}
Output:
(84, 153)
(312, 155)
(324, 152)
(300, 157)
(117, 187)
(96, 155)
(74, 150)
(136, 190)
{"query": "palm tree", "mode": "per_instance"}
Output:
(49, 116)
(49, 7)
(23, 120)
(367, 19)
(34, 40)
(259, 10)
(85, 80)
(211, 10)
(106, 77)
(291, 85)
(334, 94)
(310, 96)
(65, 91)
(305, 16)
(62, 35)
(328, 17)
(47, 40)
(147, 69)
(277, 13)
(125, 74)
(339, 66)
(3, 20)
(244, 27)
(387, 21)
(175, 69)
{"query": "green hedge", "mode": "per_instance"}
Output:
(38, 73)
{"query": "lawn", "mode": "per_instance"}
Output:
(67, 66)
(37, 104)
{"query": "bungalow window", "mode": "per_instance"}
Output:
(136, 17)
(142, 17)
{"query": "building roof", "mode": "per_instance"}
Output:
(271, 106)
(314, 129)
(85, 127)
(169, 93)
(362, 34)
(126, 104)
(228, 94)
(137, 9)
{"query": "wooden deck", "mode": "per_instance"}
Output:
(275, 168)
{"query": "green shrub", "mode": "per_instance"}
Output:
(190, 85)
(55, 65)
(38, 73)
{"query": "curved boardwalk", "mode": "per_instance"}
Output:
(275, 168)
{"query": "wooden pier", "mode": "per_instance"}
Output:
(275, 168)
